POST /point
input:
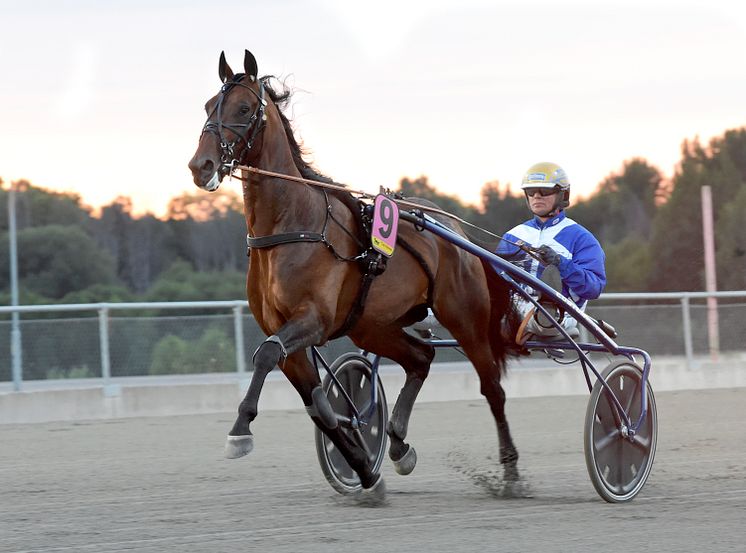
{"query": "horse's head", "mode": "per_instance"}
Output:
(235, 119)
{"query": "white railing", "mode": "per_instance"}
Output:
(619, 305)
(104, 310)
(685, 300)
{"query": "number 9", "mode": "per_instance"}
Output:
(387, 218)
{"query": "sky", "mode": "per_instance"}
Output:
(105, 99)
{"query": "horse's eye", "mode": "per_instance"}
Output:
(245, 109)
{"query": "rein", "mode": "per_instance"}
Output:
(372, 262)
(400, 201)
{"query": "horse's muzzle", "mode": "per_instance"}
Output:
(205, 174)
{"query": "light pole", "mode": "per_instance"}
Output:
(15, 331)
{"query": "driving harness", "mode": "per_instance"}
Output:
(371, 262)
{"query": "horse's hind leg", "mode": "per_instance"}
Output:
(482, 344)
(489, 374)
(415, 357)
(493, 391)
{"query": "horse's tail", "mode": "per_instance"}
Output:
(502, 314)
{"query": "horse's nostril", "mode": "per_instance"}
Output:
(208, 166)
(201, 166)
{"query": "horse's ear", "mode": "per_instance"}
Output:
(225, 72)
(249, 65)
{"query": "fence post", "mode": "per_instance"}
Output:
(16, 353)
(238, 331)
(103, 336)
(686, 318)
(15, 330)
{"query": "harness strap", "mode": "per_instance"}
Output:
(421, 260)
(258, 242)
(375, 266)
(372, 263)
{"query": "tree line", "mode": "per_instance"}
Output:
(68, 254)
(650, 228)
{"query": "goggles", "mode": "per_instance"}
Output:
(543, 191)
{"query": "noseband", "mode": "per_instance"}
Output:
(245, 132)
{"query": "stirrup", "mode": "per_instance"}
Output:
(521, 335)
(525, 329)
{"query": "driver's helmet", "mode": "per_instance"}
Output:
(548, 175)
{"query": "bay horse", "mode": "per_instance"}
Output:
(302, 291)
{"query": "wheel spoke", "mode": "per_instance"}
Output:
(605, 457)
(604, 416)
(630, 395)
(362, 393)
(606, 440)
(336, 395)
(337, 460)
(343, 420)
(641, 442)
(362, 442)
(336, 401)
(618, 467)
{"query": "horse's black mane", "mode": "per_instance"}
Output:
(281, 100)
(307, 171)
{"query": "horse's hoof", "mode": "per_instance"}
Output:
(375, 496)
(406, 464)
(510, 472)
(238, 446)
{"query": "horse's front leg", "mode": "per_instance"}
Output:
(295, 335)
(288, 348)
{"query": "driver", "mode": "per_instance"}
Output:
(570, 259)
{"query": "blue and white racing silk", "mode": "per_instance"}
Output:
(582, 264)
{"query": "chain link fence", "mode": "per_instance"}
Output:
(120, 340)
(659, 328)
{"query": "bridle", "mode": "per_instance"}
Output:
(245, 132)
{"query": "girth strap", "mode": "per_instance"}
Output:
(373, 265)
(421, 260)
(283, 238)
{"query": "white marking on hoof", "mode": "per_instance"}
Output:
(406, 464)
(238, 446)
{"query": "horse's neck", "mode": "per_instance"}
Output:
(276, 205)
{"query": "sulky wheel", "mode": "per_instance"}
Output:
(353, 371)
(619, 465)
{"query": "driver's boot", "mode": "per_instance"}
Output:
(536, 324)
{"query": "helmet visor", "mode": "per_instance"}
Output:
(541, 190)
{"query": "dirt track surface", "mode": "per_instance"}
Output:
(161, 484)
